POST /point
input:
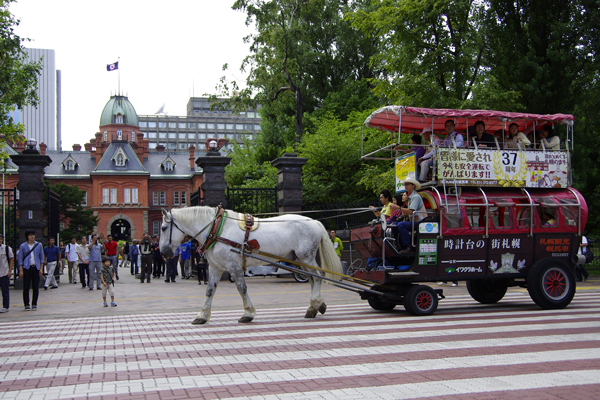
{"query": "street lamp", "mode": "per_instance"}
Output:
(30, 143)
(213, 145)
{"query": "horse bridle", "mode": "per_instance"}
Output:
(174, 224)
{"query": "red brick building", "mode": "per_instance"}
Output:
(126, 184)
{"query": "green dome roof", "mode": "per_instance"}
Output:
(118, 105)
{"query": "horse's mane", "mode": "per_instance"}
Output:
(195, 213)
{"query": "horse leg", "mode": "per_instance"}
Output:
(240, 283)
(317, 305)
(214, 276)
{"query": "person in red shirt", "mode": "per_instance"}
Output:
(111, 248)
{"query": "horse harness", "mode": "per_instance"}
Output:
(214, 235)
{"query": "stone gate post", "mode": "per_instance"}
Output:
(289, 181)
(213, 178)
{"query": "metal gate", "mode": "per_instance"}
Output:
(52, 215)
(252, 201)
(9, 217)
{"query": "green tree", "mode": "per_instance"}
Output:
(18, 76)
(78, 221)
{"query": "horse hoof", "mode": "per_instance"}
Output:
(245, 320)
(310, 314)
(322, 308)
(199, 321)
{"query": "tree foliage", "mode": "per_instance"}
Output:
(78, 221)
(18, 76)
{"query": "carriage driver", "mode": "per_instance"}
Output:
(416, 208)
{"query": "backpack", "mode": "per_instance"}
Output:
(589, 255)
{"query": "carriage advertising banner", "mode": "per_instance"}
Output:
(531, 169)
(406, 167)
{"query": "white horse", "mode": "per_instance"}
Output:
(290, 236)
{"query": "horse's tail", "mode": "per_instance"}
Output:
(329, 258)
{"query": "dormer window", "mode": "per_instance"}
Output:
(119, 134)
(119, 119)
(69, 164)
(105, 136)
(168, 164)
(120, 158)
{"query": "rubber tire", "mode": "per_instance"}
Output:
(377, 304)
(421, 300)
(300, 277)
(487, 291)
(551, 284)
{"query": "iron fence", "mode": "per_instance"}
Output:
(252, 201)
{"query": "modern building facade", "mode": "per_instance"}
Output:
(200, 123)
(40, 122)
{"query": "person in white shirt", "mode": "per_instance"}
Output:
(451, 133)
(72, 259)
(580, 271)
(6, 266)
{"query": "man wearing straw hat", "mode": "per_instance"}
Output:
(416, 208)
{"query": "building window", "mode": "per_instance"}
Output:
(119, 134)
(182, 135)
(120, 160)
(201, 125)
(155, 227)
(143, 124)
(172, 146)
(248, 127)
(256, 127)
(162, 124)
(202, 136)
(162, 135)
(239, 127)
(127, 196)
(105, 197)
(119, 119)
(151, 124)
(172, 135)
(191, 125)
(163, 198)
(229, 126)
(176, 198)
(70, 166)
(191, 136)
(134, 196)
(133, 136)
(183, 198)
(220, 126)
(183, 146)
(154, 198)
(172, 124)
(151, 135)
(168, 166)
(210, 126)
(250, 114)
(181, 125)
(113, 196)
(84, 201)
(105, 136)
(152, 146)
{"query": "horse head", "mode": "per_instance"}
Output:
(171, 235)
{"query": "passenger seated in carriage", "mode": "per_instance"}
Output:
(385, 197)
(416, 208)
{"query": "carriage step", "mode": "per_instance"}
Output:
(407, 273)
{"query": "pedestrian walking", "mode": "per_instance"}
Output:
(107, 276)
(51, 260)
(202, 268)
(124, 254)
(6, 267)
(72, 259)
(172, 266)
(134, 252)
(184, 257)
(95, 247)
(83, 253)
(31, 258)
(157, 259)
(63, 258)
(580, 271)
(146, 246)
(111, 249)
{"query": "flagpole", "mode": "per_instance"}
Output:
(119, 69)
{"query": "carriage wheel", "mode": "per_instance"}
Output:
(551, 284)
(300, 277)
(380, 305)
(487, 291)
(421, 300)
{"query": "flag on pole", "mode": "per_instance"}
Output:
(112, 67)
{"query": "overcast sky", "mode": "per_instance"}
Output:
(169, 51)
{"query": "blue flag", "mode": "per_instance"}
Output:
(112, 67)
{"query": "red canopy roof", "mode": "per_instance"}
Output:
(412, 119)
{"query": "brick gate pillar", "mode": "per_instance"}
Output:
(213, 178)
(289, 181)
(31, 190)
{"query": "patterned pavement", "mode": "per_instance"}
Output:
(512, 350)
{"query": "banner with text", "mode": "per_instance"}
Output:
(406, 167)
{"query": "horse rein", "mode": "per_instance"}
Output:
(173, 223)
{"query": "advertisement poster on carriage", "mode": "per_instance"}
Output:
(530, 169)
(406, 167)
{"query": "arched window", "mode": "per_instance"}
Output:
(120, 160)
(168, 166)
(70, 165)
(119, 134)
(119, 119)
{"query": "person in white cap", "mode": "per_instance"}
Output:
(415, 208)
